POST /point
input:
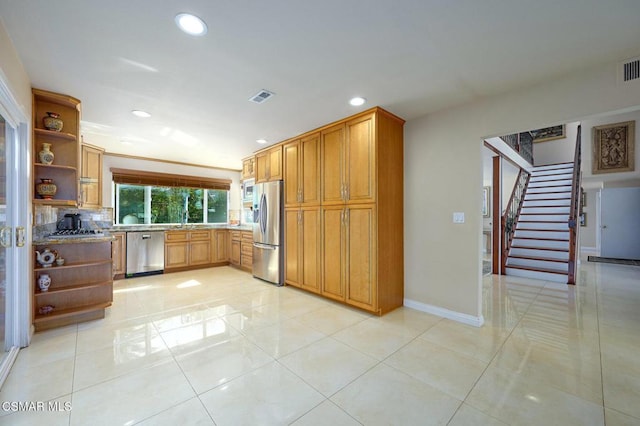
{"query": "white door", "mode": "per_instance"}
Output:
(620, 224)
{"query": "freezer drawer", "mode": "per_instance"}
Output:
(267, 263)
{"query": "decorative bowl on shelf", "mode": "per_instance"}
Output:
(46, 189)
(53, 122)
(46, 309)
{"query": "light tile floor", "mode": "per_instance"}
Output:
(216, 346)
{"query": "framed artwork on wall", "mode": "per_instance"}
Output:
(486, 201)
(614, 147)
(549, 133)
(583, 219)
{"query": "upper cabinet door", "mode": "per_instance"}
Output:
(247, 168)
(262, 167)
(292, 174)
(310, 170)
(332, 165)
(275, 163)
(361, 160)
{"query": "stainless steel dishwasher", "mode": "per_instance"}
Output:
(145, 253)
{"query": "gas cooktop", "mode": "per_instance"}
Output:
(75, 233)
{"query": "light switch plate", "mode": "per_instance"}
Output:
(458, 217)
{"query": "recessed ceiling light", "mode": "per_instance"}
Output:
(262, 141)
(139, 113)
(191, 24)
(357, 101)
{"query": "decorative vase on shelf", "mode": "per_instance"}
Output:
(46, 189)
(46, 156)
(44, 281)
(53, 122)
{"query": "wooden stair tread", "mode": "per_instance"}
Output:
(541, 230)
(535, 269)
(539, 239)
(544, 259)
(539, 248)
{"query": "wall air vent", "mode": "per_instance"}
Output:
(261, 96)
(631, 69)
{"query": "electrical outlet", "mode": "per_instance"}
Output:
(458, 217)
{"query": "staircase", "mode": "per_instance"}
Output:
(540, 244)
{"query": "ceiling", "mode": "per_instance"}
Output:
(411, 57)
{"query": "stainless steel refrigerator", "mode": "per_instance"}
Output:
(268, 253)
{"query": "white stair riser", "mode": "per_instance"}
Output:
(550, 185)
(547, 178)
(545, 217)
(542, 234)
(562, 245)
(562, 255)
(544, 189)
(544, 264)
(555, 210)
(544, 276)
(535, 203)
(565, 170)
(552, 167)
(549, 196)
(542, 225)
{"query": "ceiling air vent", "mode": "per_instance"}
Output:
(261, 96)
(631, 69)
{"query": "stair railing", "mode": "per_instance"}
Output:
(574, 211)
(510, 215)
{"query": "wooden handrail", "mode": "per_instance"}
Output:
(508, 228)
(574, 210)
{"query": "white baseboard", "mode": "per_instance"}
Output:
(446, 313)
(590, 251)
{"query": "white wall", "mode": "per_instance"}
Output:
(14, 74)
(558, 150)
(163, 167)
(443, 174)
(588, 239)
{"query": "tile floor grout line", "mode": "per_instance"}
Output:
(597, 297)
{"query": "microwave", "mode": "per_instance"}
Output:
(247, 192)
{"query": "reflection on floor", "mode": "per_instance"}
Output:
(218, 347)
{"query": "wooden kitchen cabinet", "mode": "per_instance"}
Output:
(220, 246)
(119, 254)
(235, 252)
(349, 248)
(63, 171)
(348, 155)
(302, 171)
(91, 177)
(80, 289)
(186, 249)
(248, 168)
(199, 248)
(302, 248)
(246, 250)
(268, 165)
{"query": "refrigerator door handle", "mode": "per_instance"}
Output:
(263, 214)
(264, 246)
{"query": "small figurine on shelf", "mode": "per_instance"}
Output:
(53, 122)
(46, 156)
(46, 257)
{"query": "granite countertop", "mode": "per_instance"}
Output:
(133, 228)
(72, 240)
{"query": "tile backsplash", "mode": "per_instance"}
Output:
(46, 219)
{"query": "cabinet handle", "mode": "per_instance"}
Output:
(20, 236)
(5, 236)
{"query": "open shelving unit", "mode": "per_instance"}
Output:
(80, 289)
(64, 145)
